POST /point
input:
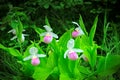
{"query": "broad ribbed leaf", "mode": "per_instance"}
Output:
(46, 21)
(64, 76)
(92, 52)
(2, 47)
(12, 51)
(63, 63)
(82, 25)
(20, 29)
(64, 39)
(93, 29)
(41, 73)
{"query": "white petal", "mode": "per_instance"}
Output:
(76, 23)
(48, 28)
(23, 38)
(77, 28)
(81, 32)
(27, 58)
(54, 35)
(13, 38)
(65, 54)
(41, 55)
(43, 34)
(33, 50)
(70, 44)
(77, 50)
(11, 31)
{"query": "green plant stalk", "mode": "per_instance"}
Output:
(105, 27)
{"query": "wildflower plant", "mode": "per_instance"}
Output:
(72, 52)
(78, 31)
(48, 36)
(49, 61)
(34, 56)
(13, 31)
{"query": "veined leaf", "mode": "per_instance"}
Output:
(41, 73)
(63, 63)
(14, 24)
(101, 64)
(82, 25)
(12, 51)
(2, 47)
(20, 29)
(64, 39)
(93, 29)
(64, 76)
(46, 21)
(51, 61)
(92, 52)
(38, 30)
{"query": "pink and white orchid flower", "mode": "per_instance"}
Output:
(78, 31)
(72, 52)
(34, 56)
(13, 31)
(48, 36)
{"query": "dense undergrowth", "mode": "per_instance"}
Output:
(100, 44)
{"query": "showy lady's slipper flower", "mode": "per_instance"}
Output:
(34, 56)
(48, 36)
(72, 52)
(13, 31)
(78, 31)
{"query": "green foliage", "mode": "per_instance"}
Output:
(108, 66)
(93, 29)
(12, 51)
(54, 66)
(82, 25)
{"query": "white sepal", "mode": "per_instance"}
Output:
(13, 38)
(76, 23)
(33, 50)
(70, 44)
(43, 34)
(54, 35)
(77, 50)
(48, 29)
(65, 54)
(41, 55)
(27, 58)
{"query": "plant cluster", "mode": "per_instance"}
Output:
(72, 56)
(63, 48)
